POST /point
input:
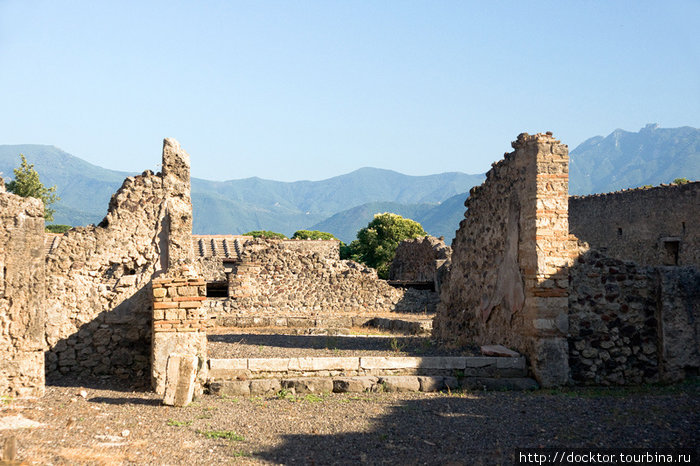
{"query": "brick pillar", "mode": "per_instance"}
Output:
(179, 324)
(544, 254)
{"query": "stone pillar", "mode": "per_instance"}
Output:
(22, 296)
(179, 324)
(178, 221)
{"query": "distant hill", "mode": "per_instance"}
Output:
(343, 204)
(628, 160)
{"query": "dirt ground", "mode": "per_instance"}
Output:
(126, 425)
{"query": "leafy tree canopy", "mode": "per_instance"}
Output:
(58, 228)
(265, 234)
(376, 244)
(312, 234)
(27, 184)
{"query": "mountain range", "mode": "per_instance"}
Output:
(343, 204)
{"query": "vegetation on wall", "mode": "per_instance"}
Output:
(376, 244)
(313, 234)
(265, 234)
(57, 228)
(27, 184)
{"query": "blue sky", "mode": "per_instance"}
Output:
(292, 90)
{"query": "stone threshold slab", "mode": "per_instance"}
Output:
(311, 364)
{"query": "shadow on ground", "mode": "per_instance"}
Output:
(487, 428)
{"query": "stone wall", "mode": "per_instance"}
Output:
(99, 304)
(651, 226)
(632, 324)
(274, 280)
(508, 280)
(180, 323)
(417, 260)
(326, 249)
(22, 296)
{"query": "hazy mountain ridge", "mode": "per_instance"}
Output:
(343, 204)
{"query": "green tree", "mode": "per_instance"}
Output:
(265, 234)
(376, 244)
(312, 234)
(681, 181)
(27, 184)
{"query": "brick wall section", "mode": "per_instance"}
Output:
(99, 303)
(22, 296)
(180, 323)
(508, 281)
(632, 324)
(636, 224)
(417, 260)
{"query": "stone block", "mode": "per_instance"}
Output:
(264, 386)
(309, 384)
(228, 369)
(399, 383)
(354, 384)
(499, 351)
(230, 388)
(181, 373)
(268, 364)
(381, 362)
(431, 384)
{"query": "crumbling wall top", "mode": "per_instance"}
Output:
(176, 162)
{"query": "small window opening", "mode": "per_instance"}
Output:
(217, 290)
(683, 224)
(671, 249)
(619, 232)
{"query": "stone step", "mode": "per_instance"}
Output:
(360, 384)
(456, 366)
(408, 327)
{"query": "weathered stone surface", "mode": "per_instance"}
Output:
(98, 277)
(180, 379)
(268, 364)
(324, 363)
(509, 257)
(22, 296)
(417, 260)
(354, 384)
(309, 384)
(230, 388)
(264, 386)
(499, 351)
(164, 344)
(399, 383)
(431, 384)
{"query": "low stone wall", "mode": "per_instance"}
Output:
(651, 226)
(180, 323)
(98, 277)
(630, 324)
(272, 279)
(508, 282)
(417, 260)
(22, 296)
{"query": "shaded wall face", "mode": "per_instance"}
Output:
(508, 279)
(22, 296)
(652, 226)
(99, 300)
(417, 260)
(632, 324)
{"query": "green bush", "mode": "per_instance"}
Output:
(27, 184)
(265, 234)
(312, 234)
(376, 244)
(681, 181)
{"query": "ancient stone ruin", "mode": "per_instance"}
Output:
(596, 289)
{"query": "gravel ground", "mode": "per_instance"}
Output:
(223, 344)
(123, 426)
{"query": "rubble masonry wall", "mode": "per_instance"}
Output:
(99, 301)
(417, 260)
(508, 282)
